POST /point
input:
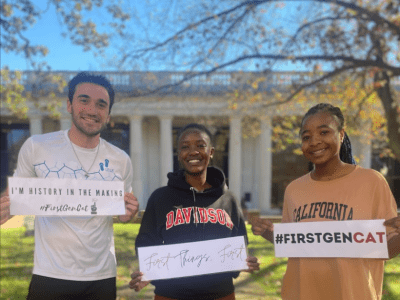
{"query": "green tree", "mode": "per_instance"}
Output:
(75, 16)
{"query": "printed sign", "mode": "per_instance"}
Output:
(65, 197)
(358, 238)
(189, 259)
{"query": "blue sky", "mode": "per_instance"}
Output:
(63, 55)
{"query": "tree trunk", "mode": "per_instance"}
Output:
(392, 110)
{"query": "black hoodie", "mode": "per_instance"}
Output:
(178, 213)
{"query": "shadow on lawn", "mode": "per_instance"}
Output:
(386, 291)
(17, 262)
(262, 273)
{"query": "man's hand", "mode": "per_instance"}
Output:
(136, 283)
(263, 227)
(5, 208)
(131, 207)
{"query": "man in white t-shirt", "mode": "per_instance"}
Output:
(74, 257)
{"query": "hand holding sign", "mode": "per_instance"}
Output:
(4, 208)
(131, 207)
(394, 223)
(263, 227)
(196, 258)
(253, 264)
(136, 283)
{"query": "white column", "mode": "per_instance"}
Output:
(136, 153)
(265, 184)
(235, 159)
(65, 122)
(166, 146)
(66, 118)
(35, 125)
(361, 146)
(362, 150)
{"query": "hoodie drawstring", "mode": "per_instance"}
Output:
(195, 215)
(195, 208)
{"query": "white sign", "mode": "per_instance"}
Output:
(65, 197)
(358, 238)
(189, 259)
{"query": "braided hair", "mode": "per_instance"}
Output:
(345, 153)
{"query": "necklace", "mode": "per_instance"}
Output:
(76, 155)
(338, 174)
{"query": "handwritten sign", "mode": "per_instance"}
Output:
(65, 197)
(358, 238)
(189, 259)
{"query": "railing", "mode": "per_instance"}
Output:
(140, 83)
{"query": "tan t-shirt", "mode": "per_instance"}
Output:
(361, 195)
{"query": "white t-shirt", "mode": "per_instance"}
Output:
(73, 248)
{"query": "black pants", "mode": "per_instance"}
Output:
(47, 288)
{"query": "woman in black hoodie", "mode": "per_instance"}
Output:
(196, 205)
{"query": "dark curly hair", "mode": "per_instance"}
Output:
(86, 77)
(195, 126)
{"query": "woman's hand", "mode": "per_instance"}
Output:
(394, 223)
(394, 239)
(263, 227)
(136, 283)
(253, 264)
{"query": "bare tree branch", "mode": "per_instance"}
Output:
(372, 15)
(140, 52)
(310, 84)
(237, 20)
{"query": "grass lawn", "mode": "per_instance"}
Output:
(17, 262)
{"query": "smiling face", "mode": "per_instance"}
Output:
(89, 109)
(194, 151)
(321, 139)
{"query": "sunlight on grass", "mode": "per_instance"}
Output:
(16, 263)
(124, 238)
